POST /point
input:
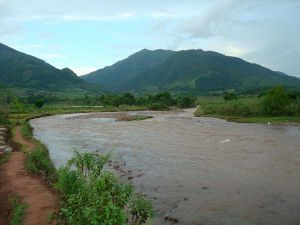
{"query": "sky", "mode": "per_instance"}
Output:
(86, 35)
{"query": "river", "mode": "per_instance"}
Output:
(202, 171)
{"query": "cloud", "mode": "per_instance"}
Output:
(266, 32)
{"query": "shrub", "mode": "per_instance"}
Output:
(94, 196)
(275, 102)
(39, 103)
(157, 106)
(230, 96)
(186, 101)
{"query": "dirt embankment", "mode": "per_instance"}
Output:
(14, 179)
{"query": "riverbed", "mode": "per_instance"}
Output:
(202, 171)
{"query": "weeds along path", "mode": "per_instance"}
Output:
(39, 199)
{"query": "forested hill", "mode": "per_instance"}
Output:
(19, 70)
(114, 77)
(194, 71)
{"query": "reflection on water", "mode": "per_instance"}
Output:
(197, 170)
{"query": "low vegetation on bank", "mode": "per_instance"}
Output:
(92, 195)
(276, 105)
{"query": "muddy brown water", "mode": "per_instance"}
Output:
(195, 170)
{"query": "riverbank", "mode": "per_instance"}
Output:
(278, 120)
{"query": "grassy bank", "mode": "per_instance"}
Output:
(252, 109)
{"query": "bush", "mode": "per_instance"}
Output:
(157, 106)
(230, 96)
(186, 101)
(39, 104)
(94, 196)
(275, 102)
(235, 108)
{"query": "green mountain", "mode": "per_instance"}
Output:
(21, 71)
(193, 71)
(114, 77)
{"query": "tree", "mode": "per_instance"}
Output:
(185, 101)
(39, 103)
(275, 101)
(127, 99)
(230, 96)
(18, 106)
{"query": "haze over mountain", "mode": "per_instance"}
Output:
(19, 70)
(193, 71)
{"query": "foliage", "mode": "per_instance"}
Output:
(18, 211)
(94, 196)
(39, 103)
(159, 101)
(275, 102)
(186, 101)
(39, 162)
(229, 96)
(18, 107)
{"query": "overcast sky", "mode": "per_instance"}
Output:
(86, 35)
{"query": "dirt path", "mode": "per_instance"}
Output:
(15, 179)
(20, 139)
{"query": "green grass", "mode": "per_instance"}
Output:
(244, 110)
(39, 162)
(26, 130)
(274, 120)
(18, 211)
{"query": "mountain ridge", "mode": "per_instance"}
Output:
(194, 71)
(21, 70)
